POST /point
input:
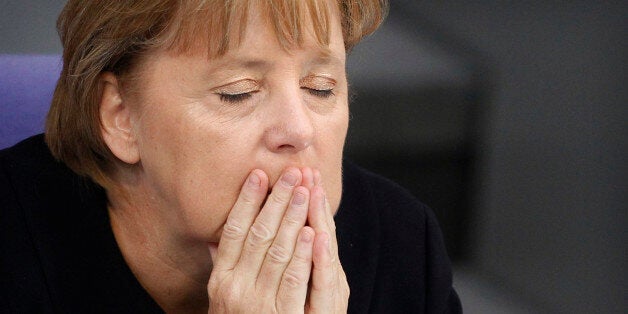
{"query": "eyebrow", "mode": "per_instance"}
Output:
(235, 64)
(322, 57)
(326, 58)
(254, 64)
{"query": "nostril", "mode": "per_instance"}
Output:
(286, 138)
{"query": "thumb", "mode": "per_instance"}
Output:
(213, 250)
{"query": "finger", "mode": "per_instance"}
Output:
(240, 220)
(281, 251)
(323, 277)
(318, 215)
(264, 228)
(317, 177)
(331, 224)
(295, 279)
(322, 221)
(308, 177)
(329, 215)
(213, 250)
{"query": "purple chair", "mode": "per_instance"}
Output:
(26, 86)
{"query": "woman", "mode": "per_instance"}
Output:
(199, 148)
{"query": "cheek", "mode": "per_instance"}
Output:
(213, 178)
(331, 154)
(195, 168)
(333, 134)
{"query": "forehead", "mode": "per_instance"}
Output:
(220, 26)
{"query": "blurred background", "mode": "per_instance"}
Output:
(508, 118)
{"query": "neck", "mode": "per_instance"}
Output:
(173, 271)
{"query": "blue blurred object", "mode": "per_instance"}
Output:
(27, 83)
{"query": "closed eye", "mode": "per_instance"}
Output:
(322, 93)
(235, 98)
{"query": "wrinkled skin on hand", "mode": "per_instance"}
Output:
(278, 253)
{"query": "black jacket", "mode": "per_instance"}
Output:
(58, 253)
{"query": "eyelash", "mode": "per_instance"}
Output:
(322, 93)
(237, 98)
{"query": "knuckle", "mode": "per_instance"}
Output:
(293, 278)
(224, 294)
(233, 230)
(292, 221)
(248, 199)
(232, 296)
(280, 197)
(344, 287)
(300, 258)
(332, 228)
(342, 284)
(260, 235)
(278, 254)
(342, 277)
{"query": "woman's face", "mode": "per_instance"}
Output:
(202, 125)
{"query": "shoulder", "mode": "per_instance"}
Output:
(20, 167)
(42, 209)
(26, 170)
(29, 167)
(55, 236)
(22, 277)
(402, 241)
(29, 148)
(23, 162)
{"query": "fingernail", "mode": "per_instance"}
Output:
(306, 237)
(254, 180)
(298, 198)
(290, 179)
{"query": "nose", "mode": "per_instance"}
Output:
(291, 128)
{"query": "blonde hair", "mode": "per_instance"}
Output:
(104, 35)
